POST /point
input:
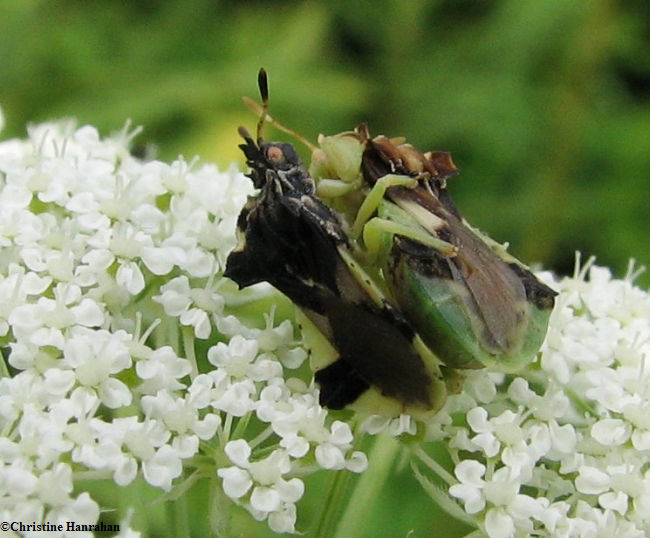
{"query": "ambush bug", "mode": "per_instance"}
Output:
(288, 237)
(472, 303)
(396, 281)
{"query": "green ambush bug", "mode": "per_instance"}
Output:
(471, 302)
(291, 239)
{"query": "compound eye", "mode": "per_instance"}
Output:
(275, 155)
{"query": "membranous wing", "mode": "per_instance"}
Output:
(476, 306)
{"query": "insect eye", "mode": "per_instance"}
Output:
(275, 155)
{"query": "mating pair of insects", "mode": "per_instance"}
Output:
(405, 292)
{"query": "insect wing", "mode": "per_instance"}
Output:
(472, 309)
(477, 306)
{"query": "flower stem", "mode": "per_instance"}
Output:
(180, 517)
(188, 347)
(381, 461)
(434, 466)
(325, 522)
(220, 510)
(4, 371)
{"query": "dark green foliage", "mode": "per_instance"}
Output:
(544, 105)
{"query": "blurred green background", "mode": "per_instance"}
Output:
(544, 104)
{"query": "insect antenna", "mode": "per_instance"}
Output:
(262, 82)
(263, 85)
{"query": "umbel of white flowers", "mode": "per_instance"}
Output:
(562, 448)
(110, 284)
(107, 262)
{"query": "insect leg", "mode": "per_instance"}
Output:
(376, 229)
(375, 197)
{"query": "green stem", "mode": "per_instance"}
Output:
(188, 348)
(220, 511)
(180, 517)
(241, 426)
(224, 431)
(263, 436)
(581, 404)
(325, 522)
(434, 466)
(381, 461)
(4, 371)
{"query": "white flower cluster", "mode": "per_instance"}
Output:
(562, 449)
(292, 413)
(109, 278)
